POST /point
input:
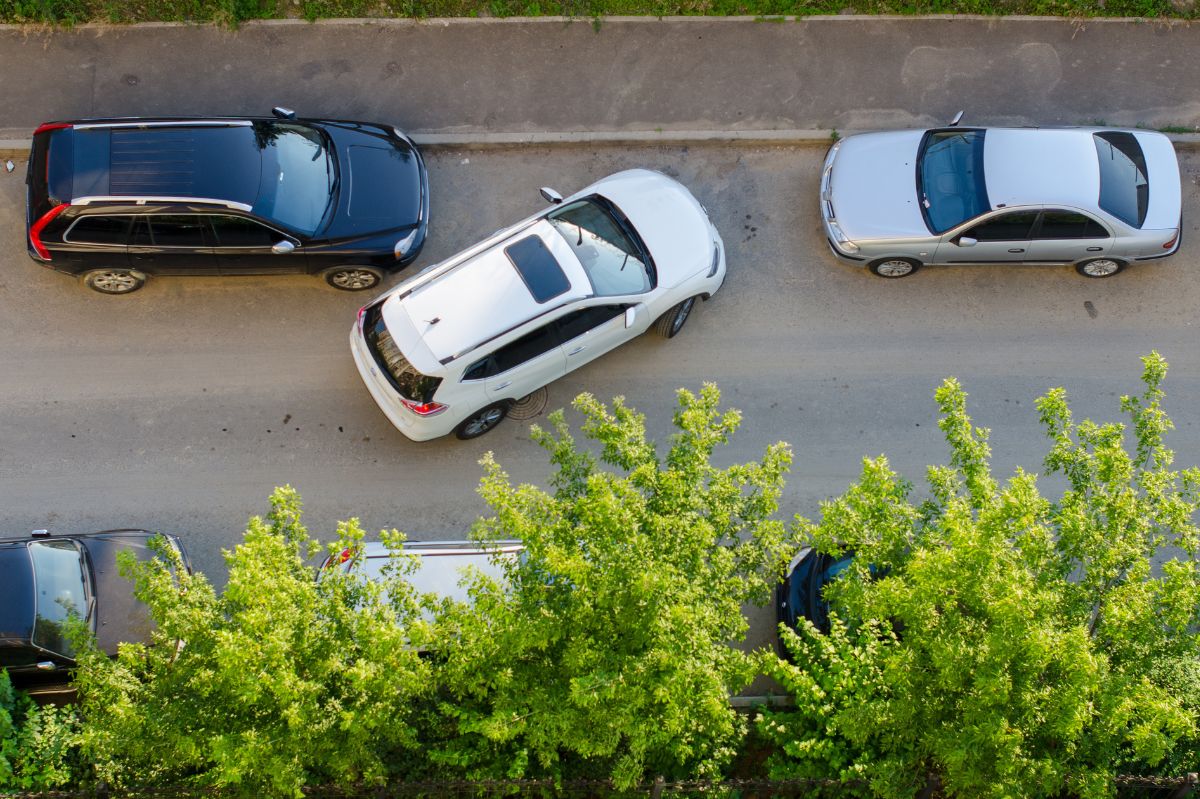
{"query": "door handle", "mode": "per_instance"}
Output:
(503, 385)
(1016, 249)
(1095, 249)
(577, 350)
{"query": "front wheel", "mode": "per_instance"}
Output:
(670, 323)
(353, 278)
(894, 267)
(481, 422)
(113, 281)
(1099, 267)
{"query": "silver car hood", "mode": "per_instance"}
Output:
(873, 186)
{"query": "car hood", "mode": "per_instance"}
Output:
(671, 222)
(873, 186)
(381, 183)
(119, 615)
(16, 594)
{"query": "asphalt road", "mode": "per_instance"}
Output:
(180, 407)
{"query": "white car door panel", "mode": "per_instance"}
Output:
(590, 332)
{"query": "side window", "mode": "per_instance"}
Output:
(1070, 225)
(480, 369)
(526, 348)
(234, 231)
(99, 230)
(178, 230)
(579, 322)
(1006, 227)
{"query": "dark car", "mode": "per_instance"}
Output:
(117, 200)
(802, 592)
(45, 580)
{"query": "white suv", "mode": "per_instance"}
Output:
(450, 349)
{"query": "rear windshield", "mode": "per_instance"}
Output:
(1124, 189)
(411, 384)
(950, 178)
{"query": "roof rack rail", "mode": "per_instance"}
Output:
(128, 200)
(432, 273)
(193, 123)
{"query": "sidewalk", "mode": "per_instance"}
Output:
(548, 80)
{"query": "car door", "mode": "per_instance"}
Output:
(524, 365)
(97, 241)
(587, 333)
(247, 247)
(172, 244)
(1067, 236)
(1003, 238)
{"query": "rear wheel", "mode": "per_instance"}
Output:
(353, 278)
(113, 281)
(894, 267)
(481, 421)
(670, 323)
(1099, 267)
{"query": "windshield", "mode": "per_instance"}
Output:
(950, 178)
(60, 593)
(1124, 188)
(298, 175)
(613, 263)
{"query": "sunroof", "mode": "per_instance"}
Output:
(538, 268)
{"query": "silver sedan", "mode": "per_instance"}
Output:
(1097, 198)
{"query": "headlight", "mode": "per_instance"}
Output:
(405, 244)
(716, 261)
(844, 244)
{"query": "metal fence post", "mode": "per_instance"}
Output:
(1187, 788)
(657, 790)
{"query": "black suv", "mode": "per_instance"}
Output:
(116, 200)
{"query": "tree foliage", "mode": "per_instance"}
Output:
(275, 682)
(1007, 644)
(38, 745)
(611, 651)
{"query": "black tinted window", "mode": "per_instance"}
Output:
(234, 231)
(178, 231)
(538, 268)
(1070, 225)
(579, 322)
(100, 230)
(1006, 227)
(480, 369)
(525, 349)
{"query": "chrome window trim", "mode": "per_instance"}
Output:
(198, 123)
(79, 219)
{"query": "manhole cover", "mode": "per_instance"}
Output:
(530, 406)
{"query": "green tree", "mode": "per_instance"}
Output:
(276, 682)
(39, 748)
(1006, 644)
(611, 650)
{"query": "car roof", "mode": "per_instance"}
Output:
(1041, 166)
(479, 300)
(439, 570)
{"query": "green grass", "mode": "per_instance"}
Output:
(231, 12)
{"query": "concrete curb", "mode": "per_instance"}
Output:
(472, 140)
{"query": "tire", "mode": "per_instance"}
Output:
(482, 421)
(353, 278)
(113, 281)
(893, 268)
(670, 323)
(1099, 267)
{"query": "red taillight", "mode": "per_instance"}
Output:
(1171, 243)
(345, 555)
(423, 408)
(51, 126)
(35, 230)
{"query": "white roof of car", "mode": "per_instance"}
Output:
(483, 297)
(1041, 166)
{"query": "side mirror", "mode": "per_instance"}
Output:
(550, 195)
(283, 113)
(957, 118)
(283, 247)
(967, 241)
(631, 315)
(47, 665)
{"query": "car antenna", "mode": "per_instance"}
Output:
(433, 321)
(957, 118)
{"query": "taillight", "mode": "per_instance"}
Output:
(345, 555)
(423, 408)
(35, 230)
(51, 126)
(1171, 243)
